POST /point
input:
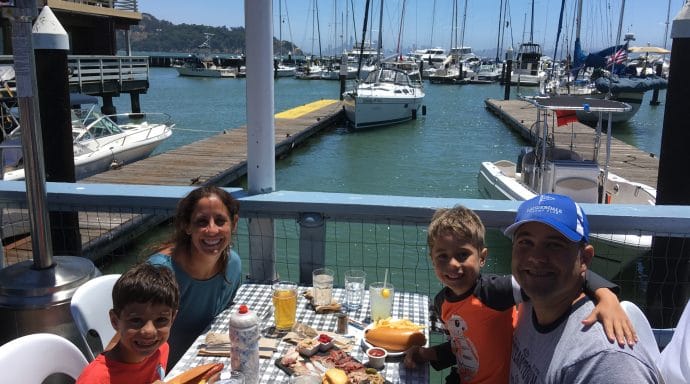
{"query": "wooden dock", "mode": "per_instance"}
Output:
(626, 160)
(218, 160)
(222, 159)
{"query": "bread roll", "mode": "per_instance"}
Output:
(335, 376)
(394, 339)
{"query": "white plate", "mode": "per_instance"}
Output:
(366, 345)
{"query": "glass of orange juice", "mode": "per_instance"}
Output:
(284, 304)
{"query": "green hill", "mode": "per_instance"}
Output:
(153, 35)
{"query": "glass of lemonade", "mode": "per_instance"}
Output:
(284, 304)
(381, 300)
(322, 280)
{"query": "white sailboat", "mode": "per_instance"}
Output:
(573, 171)
(388, 95)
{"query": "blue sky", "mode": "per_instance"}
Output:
(645, 18)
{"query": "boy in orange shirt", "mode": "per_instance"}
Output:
(478, 310)
(145, 301)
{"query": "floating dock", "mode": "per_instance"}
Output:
(626, 160)
(218, 160)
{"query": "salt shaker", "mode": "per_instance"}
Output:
(244, 343)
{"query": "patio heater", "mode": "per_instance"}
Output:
(35, 295)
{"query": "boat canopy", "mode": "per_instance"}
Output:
(578, 103)
(630, 84)
(80, 98)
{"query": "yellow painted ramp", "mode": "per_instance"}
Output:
(302, 110)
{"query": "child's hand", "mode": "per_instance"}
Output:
(616, 323)
(418, 355)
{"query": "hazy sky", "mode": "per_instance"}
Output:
(430, 22)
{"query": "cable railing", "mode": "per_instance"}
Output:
(287, 234)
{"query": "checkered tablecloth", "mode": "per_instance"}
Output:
(412, 306)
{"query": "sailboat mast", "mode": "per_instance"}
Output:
(668, 15)
(380, 42)
(498, 37)
(578, 20)
(531, 27)
(280, 27)
(462, 31)
(364, 38)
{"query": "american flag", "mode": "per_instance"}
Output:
(617, 58)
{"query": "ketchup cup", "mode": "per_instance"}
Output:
(377, 357)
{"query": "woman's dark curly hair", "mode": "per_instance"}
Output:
(181, 240)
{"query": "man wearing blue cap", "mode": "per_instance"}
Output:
(550, 255)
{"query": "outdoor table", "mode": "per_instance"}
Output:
(408, 305)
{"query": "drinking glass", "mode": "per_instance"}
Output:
(285, 304)
(381, 300)
(354, 288)
(232, 377)
(322, 280)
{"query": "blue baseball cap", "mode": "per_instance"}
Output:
(558, 211)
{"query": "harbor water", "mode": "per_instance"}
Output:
(437, 155)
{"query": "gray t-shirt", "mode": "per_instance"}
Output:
(568, 352)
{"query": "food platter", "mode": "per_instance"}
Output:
(295, 364)
(366, 345)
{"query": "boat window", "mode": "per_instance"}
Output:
(104, 127)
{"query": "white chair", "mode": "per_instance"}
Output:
(647, 341)
(674, 362)
(90, 305)
(31, 359)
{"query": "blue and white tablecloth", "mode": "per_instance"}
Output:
(412, 306)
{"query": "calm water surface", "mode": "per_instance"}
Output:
(437, 155)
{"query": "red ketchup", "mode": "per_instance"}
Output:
(376, 352)
(323, 338)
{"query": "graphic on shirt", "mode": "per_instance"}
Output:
(463, 348)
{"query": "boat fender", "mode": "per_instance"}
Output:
(423, 110)
(414, 114)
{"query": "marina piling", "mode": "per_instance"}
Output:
(667, 293)
(50, 50)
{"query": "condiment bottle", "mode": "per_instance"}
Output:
(244, 343)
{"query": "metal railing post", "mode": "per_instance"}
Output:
(312, 245)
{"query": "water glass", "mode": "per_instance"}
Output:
(284, 304)
(322, 280)
(354, 288)
(232, 377)
(381, 300)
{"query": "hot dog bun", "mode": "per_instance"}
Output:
(394, 339)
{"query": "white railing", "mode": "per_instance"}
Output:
(91, 69)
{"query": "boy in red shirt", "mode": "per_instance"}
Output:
(478, 310)
(145, 301)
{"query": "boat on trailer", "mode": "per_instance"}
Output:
(572, 169)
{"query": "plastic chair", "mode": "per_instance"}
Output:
(674, 362)
(31, 359)
(646, 337)
(90, 305)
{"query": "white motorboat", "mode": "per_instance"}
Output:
(573, 171)
(205, 67)
(387, 96)
(284, 71)
(529, 70)
(99, 142)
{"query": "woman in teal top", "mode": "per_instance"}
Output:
(207, 271)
